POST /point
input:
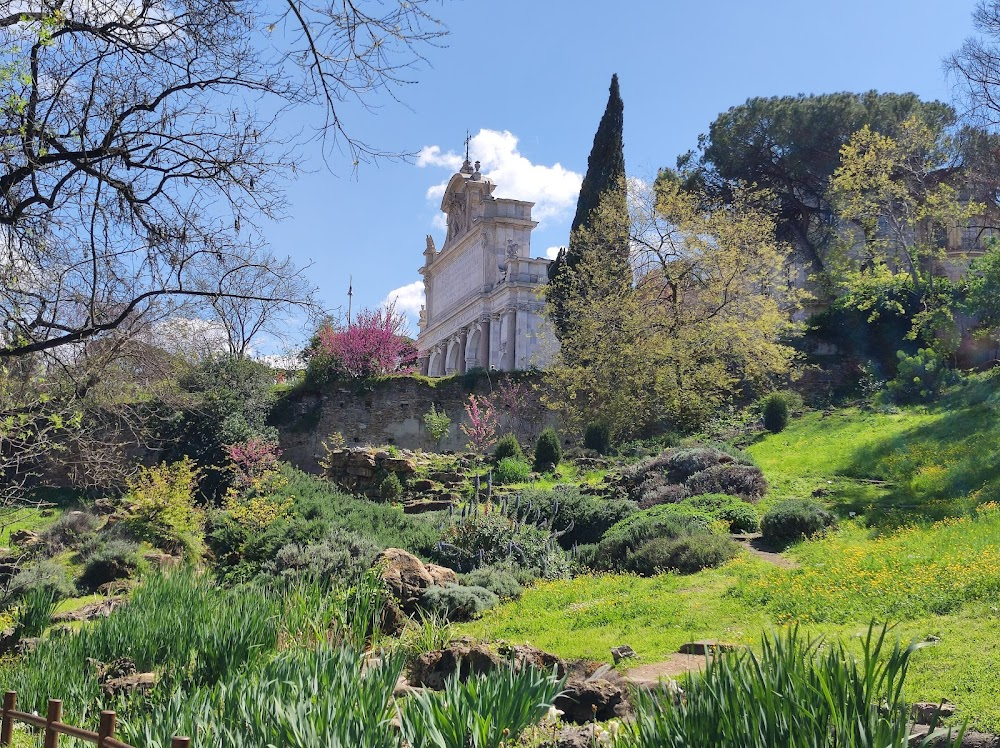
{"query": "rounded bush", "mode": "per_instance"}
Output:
(453, 602)
(117, 559)
(793, 520)
(511, 470)
(663, 494)
(498, 580)
(548, 452)
(740, 516)
(662, 521)
(578, 518)
(686, 554)
(391, 488)
(341, 555)
(775, 413)
(508, 446)
(597, 436)
(746, 481)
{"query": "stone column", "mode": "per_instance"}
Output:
(463, 341)
(483, 354)
(425, 364)
(510, 327)
(494, 356)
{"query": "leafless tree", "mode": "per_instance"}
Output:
(975, 67)
(139, 146)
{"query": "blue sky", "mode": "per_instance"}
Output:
(529, 79)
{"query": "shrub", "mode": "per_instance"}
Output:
(438, 424)
(508, 446)
(662, 521)
(597, 436)
(736, 480)
(672, 466)
(499, 580)
(342, 555)
(43, 574)
(738, 514)
(116, 559)
(391, 488)
(511, 470)
(68, 530)
(575, 517)
(662, 494)
(794, 519)
(160, 507)
(919, 377)
(34, 614)
(486, 536)
(453, 602)
(775, 413)
(686, 554)
(548, 452)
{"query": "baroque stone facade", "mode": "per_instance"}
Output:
(483, 305)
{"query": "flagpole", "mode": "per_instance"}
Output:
(350, 297)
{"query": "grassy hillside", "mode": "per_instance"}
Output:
(922, 550)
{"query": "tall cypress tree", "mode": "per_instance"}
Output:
(603, 188)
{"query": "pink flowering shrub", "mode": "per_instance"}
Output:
(374, 344)
(482, 426)
(252, 460)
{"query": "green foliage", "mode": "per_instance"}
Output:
(485, 536)
(793, 520)
(160, 508)
(300, 698)
(686, 554)
(662, 521)
(508, 446)
(919, 377)
(775, 413)
(340, 556)
(746, 481)
(578, 518)
(499, 580)
(740, 516)
(486, 711)
(511, 470)
(67, 531)
(42, 574)
(597, 436)
(453, 602)
(34, 612)
(548, 451)
(438, 424)
(795, 692)
(317, 508)
(603, 189)
(115, 559)
(391, 488)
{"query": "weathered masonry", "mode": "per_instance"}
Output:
(483, 289)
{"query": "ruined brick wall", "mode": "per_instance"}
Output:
(389, 412)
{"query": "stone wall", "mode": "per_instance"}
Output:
(390, 412)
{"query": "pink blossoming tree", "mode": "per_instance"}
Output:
(482, 426)
(372, 345)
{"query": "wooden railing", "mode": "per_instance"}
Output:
(53, 728)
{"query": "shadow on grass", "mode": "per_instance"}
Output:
(941, 469)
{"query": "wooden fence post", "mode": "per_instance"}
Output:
(52, 716)
(180, 743)
(106, 729)
(7, 728)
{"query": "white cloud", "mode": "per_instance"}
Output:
(554, 189)
(409, 299)
(551, 252)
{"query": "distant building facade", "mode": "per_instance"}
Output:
(483, 306)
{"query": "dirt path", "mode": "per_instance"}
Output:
(757, 548)
(649, 676)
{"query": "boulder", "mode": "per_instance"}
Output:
(624, 652)
(161, 560)
(441, 575)
(104, 507)
(24, 538)
(404, 575)
(926, 712)
(592, 699)
(422, 484)
(399, 465)
(129, 684)
(466, 657)
(707, 647)
(100, 609)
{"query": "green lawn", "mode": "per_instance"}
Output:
(919, 553)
